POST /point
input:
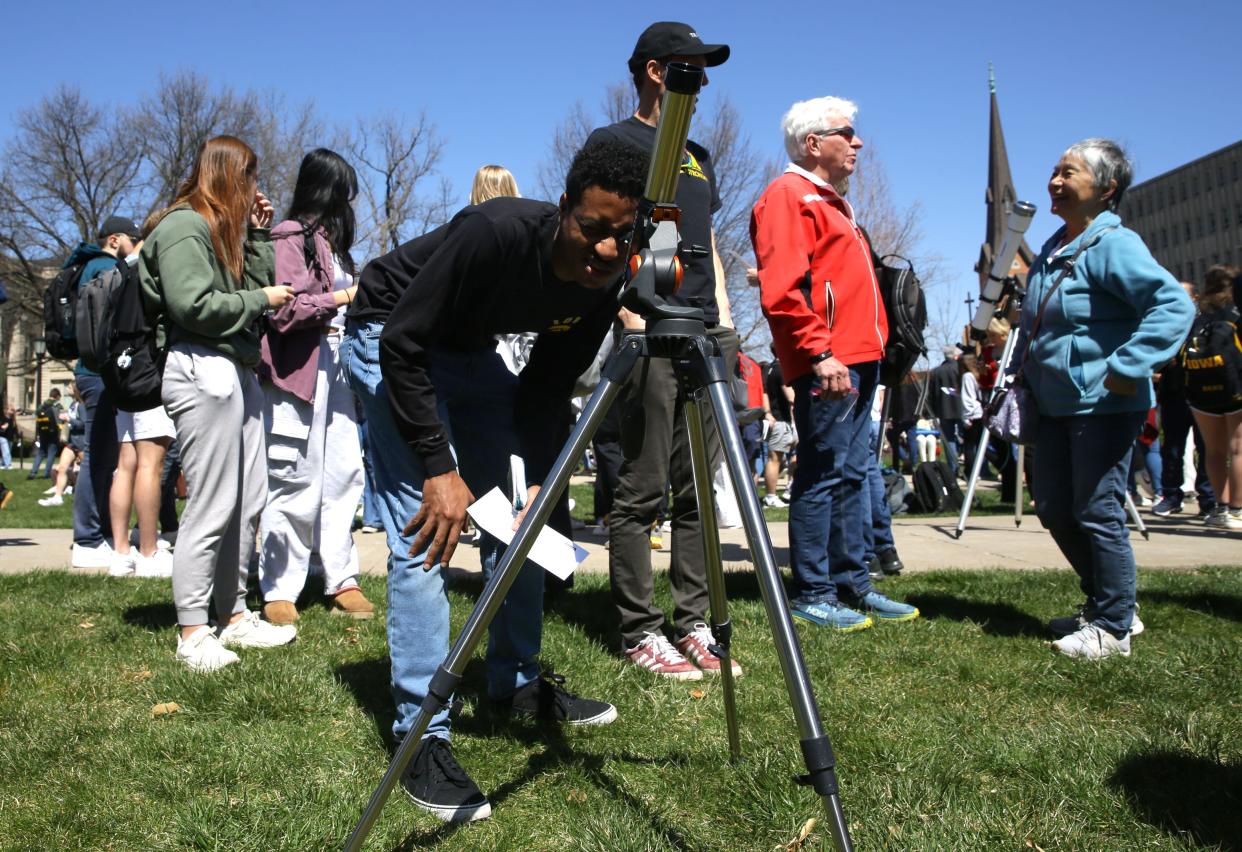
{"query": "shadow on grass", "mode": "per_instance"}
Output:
(1220, 606)
(1188, 796)
(156, 616)
(996, 619)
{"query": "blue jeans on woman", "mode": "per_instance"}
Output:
(830, 493)
(1080, 497)
(474, 393)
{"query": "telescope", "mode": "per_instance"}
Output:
(999, 279)
(655, 267)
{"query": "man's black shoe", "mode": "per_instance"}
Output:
(544, 699)
(1205, 510)
(435, 782)
(890, 563)
(873, 569)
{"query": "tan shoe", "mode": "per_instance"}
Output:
(280, 612)
(351, 603)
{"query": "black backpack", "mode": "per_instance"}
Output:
(936, 489)
(47, 423)
(1211, 362)
(906, 307)
(116, 341)
(60, 301)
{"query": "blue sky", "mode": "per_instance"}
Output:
(497, 78)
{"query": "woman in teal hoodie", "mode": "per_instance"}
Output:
(1108, 317)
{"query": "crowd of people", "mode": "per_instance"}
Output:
(298, 382)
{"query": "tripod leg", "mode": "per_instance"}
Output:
(1136, 517)
(722, 628)
(446, 679)
(1019, 497)
(816, 748)
(980, 455)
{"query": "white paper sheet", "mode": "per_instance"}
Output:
(552, 551)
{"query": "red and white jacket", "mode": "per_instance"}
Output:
(817, 282)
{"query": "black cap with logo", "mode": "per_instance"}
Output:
(670, 38)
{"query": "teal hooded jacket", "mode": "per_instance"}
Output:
(1117, 311)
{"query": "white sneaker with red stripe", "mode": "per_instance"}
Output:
(695, 647)
(657, 655)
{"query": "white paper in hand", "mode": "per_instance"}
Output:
(551, 551)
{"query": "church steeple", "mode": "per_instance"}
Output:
(1000, 195)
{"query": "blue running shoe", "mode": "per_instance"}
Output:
(885, 609)
(831, 614)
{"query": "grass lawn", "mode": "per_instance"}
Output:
(958, 731)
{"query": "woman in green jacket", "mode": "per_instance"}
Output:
(206, 269)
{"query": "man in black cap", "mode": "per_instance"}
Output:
(653, 428)
(118, 237)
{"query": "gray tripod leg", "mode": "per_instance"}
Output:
(722, 628)
(816, 749)
(1019, 496)
(446, 679)
(980, 456)
(1136, 517)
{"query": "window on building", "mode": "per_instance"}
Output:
(1194, 186)
(1186, 232)
(1182, 186)
(1211, 223)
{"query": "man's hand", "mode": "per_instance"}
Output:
(631, 321)
(833, 376)
(1114, 383)
(531, 491)
(440, 519)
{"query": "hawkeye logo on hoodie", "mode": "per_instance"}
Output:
(565, 324)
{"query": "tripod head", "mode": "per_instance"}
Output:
(657, 255)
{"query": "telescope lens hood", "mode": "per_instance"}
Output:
(683, 78)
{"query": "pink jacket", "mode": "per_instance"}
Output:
(289, 353)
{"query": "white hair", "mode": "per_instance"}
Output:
(806, 117)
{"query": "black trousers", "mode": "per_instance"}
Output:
(656, 451)
(1178, 423)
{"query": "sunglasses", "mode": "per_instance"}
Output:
(846, 131)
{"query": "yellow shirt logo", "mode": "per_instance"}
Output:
(565, 324)
(692, 168)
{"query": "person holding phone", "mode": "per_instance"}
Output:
(207, 270)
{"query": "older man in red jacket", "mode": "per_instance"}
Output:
(822, 301)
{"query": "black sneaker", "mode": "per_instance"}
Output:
(1167, 506)
(1205, 511)
(890, 562)
(873, 569)
(435, 782)
(544, 700)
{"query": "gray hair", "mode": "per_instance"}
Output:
(1108, 163)
(806, 117)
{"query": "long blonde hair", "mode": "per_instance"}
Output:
(220, 188)
(493, 182)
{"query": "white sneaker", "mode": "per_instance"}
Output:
(122, 564)
(1092, 643)
(51, 490)
(160, 542)
(69, 489)
(202, 652)
(254, 632)
(91, 557)
(54, 500)
(773, 501)
(158, 564)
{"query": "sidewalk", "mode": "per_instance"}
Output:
(924, 544)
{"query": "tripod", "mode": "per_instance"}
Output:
(678, 334)
(984, 439)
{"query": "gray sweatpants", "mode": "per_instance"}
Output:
(217, 406)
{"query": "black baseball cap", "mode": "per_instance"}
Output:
(119, 225)
(670, 38)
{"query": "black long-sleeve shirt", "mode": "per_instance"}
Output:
(486, 272)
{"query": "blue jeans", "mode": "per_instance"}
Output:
(475, 392)
(6, 457)
(44, 450)
(1146, 456)
(830, 497)
(92, 521)
(1080, 497)
(370, 504)
(1178, 423)
(951, 431)
(878, 531)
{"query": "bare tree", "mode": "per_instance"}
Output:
(69, 166)
(618, 103)
(185, 111)
(396, 160)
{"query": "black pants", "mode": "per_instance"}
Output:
(656, 450)
(1178, 422)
